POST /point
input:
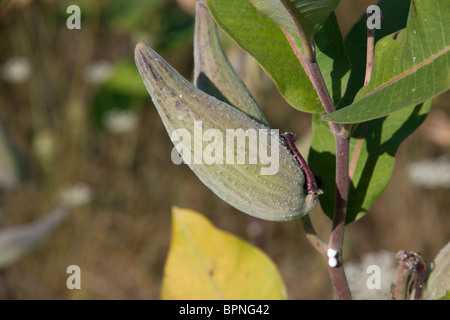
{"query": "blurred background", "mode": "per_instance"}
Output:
(77, 125)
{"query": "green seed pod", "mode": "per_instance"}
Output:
(213, 72)
(270, 189)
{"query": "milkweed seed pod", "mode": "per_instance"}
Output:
(270, 189)
(213, 72)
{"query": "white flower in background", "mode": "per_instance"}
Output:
(16, 70)
(120, 121)
(98, 71)
(360, 272)
(76, 195)
(430, 173)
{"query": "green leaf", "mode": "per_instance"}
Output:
(267, 43)
(213, 72)
(332, 58)
(410, 66)
(15, 242)
(438, 282)
(207, 263)
(372, 157)
(366, 187)
(395, 15)
(312, 13)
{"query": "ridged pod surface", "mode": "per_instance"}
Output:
(277, 197)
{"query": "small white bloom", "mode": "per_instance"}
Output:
(98, 72)
(16, 70)
(76, 195)
(430, 173)
(120, 121)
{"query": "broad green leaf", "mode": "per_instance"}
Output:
(312, 13)
(332, 58)
(207, 263)
(268, 44)
(15, 242)
(395, 15)
(213, 72)
(372, 157)
(366, 187)
(410, 66)
(438, 283)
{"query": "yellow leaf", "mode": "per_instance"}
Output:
(207, 263)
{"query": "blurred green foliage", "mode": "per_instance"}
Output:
(123, 91)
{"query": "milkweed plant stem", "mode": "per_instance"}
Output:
(341, 134)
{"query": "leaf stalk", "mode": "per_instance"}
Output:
(341, 134)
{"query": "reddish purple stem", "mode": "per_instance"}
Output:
(311, 185)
